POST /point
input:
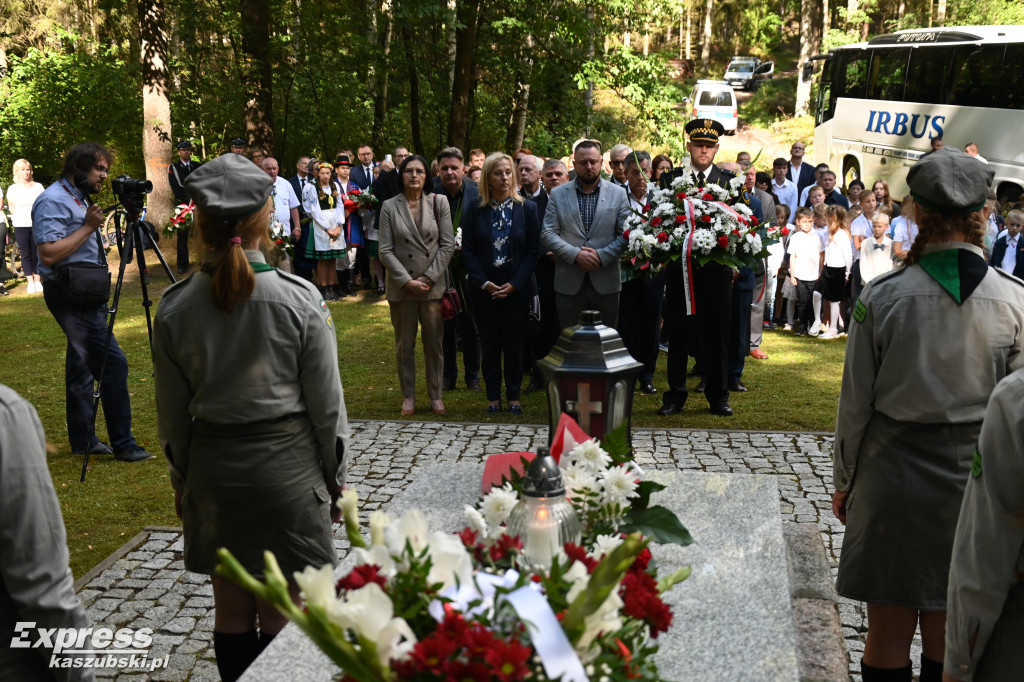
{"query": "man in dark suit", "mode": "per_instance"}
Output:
(642, 295)
(362, 174)
(712, 286)
(1008, 251)
(302, 266)
(553, 173)
(176, 174)
(802, 174)
(452, 183)
(832, 196)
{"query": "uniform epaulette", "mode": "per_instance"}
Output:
(176, 287)
(727, 174)
(1007, 275)
(888, 275)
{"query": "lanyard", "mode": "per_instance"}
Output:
(65, 188)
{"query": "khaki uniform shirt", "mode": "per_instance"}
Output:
(276, 354)
(915, 355)
(989, 545)
(35, 581)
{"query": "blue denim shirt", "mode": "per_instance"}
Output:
(55, 215)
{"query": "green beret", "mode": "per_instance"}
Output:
(704, 130)
(229, 187)
(950, 181)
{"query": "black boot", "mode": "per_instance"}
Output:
(344, 278)
(329, 294)
(265, 640)
(235, 652)
(931, 671)
(871, 674)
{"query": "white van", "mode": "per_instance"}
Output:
(715, 100)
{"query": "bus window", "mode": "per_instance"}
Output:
(976, 76)
(1011, 84)
(826, 108)
(926, 74)
(888, 72)
(852, 74)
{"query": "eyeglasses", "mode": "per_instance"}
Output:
(616, 163)
(102, 170)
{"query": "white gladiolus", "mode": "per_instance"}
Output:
(450, 563)
(369, 612)
(317, 585)
(475, 520)
(603, 544)
(498, 504)
(379, 520)
(349, 506)
(412, 527)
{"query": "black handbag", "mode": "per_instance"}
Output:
(87, 285)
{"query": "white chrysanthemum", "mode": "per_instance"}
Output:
(579, 483)
(665, 208)
(458, 237)
(498, 504)
(703, 240)
(589, 455)
(618, 485)
(603, 544)
(475, 520)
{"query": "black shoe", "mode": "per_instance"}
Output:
(493, 409)
(98, 448)
(737, 387)
(3, 291)
(133, 453)
(722, 410)
(182, 269)
(517, 410)
(648, 388)
(534, 386)
(448, 385)
(701, 385)
(380, 291)
(668, 409)
(474, 385)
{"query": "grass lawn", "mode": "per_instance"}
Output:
(796, 389)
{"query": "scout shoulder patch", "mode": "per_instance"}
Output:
(976, 464)
(860, 311)
(328, 320)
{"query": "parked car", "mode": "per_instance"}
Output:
(715, 100)
(748, 72)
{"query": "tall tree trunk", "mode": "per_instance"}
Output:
(465, 65)
(257, 77)
(521, 101)
(803, 86)
(705, 48)
(689, 34)
(450, 20)
(414, 92)
(825, 18)
(380, 100)
(156, 107)
(940, 13)
(647, 38)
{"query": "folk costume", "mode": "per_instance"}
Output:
(327, 211)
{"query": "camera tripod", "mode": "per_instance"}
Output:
(131, 243)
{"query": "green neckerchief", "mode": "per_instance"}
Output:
(261, 267)
(957, 271)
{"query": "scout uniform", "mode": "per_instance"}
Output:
(251, 412)
(986, 594)
(913, 397)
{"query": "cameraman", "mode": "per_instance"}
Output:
(65, 225)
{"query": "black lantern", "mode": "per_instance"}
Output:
(590, 376)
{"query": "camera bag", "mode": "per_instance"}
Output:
(87, 284)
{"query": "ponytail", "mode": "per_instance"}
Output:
(233, 277)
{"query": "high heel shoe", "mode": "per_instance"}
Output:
(408, 408)
(438, 407)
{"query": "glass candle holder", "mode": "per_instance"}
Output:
(543, 519)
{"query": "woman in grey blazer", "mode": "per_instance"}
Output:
(416, 243)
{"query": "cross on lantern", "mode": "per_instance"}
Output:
(583, 406)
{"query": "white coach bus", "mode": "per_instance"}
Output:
(880, 103)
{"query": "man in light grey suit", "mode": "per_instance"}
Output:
(583, 227)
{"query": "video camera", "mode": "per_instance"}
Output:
(129, 191)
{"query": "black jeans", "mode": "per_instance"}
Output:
(501, 325)
(640, 305)
(86, 332)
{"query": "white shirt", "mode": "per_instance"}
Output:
(805, 255)
(860, 227)
(694, 172)
(905, 232)
(1010, 257)
(284, 201)
(873, 261)
(786, 192)
(20, 199)
(839, 251)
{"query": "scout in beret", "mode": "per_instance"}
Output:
(927, 345)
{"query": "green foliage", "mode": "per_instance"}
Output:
(657, 523)
(761, 29)
(773, 100)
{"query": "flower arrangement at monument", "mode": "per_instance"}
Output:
(427, 605)
(710, 223)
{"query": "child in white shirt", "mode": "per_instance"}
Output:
(876, 250)
(838, 261)
(805, 261)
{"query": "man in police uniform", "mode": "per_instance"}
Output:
(238, 146)
(65, 225)
(712, 286)
(985, 617)
(176, 174)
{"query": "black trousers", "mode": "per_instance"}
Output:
(640, 303)
(739, 332)
(462, 327)
(183, 249)
(501, 325)
(713, 290)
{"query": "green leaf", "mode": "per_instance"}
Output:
(657, 523)
(644, 491)
(616, 444)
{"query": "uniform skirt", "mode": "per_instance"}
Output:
(252, 488)
(902, 511)
(833, 283)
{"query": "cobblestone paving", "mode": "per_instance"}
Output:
(150, 588)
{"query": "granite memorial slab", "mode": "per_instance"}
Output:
(733, 618)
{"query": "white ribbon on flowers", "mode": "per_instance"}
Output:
(685, 261)
(486, 584)
(553, 647)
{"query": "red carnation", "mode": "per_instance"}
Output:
(506, 545)
(705, 218)
(681, 196)
(362, 576)
(753, 220)
(723, 241)
(680, 219)
(784, 230)
(736, 232)
(647, 207)
(656, 221)
(625, 234)
(508, 660)
(577, 553)
(662, 237)
(708, 196)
